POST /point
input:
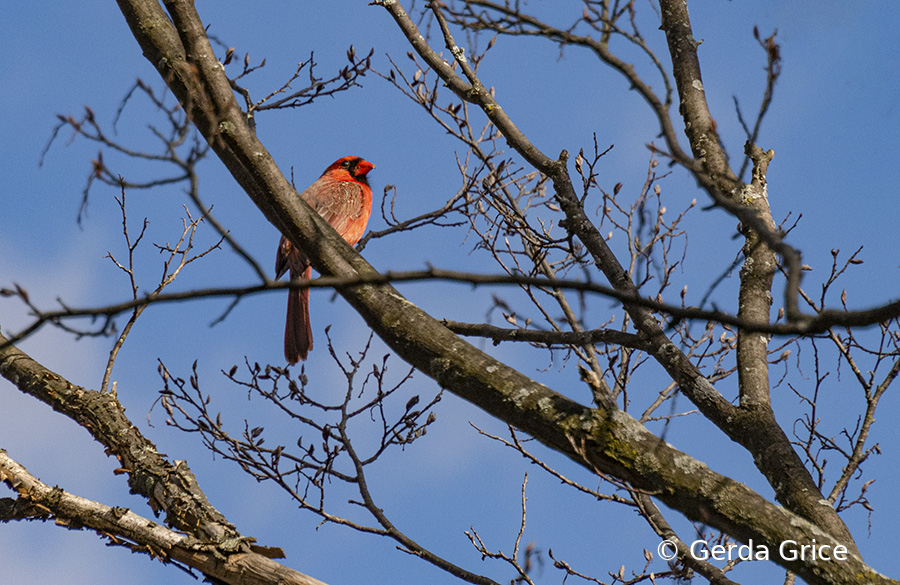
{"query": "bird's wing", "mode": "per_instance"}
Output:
(340, 203)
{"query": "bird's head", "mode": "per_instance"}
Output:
(354, 166)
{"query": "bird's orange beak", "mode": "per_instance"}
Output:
(363, 167)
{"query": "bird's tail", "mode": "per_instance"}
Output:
(297, 329)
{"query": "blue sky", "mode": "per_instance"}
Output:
(833, 125)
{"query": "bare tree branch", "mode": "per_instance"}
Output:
(122, 527)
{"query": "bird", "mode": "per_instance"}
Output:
(342, 196)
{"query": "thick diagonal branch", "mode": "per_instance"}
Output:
(603, 439)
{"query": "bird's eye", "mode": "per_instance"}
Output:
(346, 164)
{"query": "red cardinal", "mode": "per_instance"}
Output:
(343, 197)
